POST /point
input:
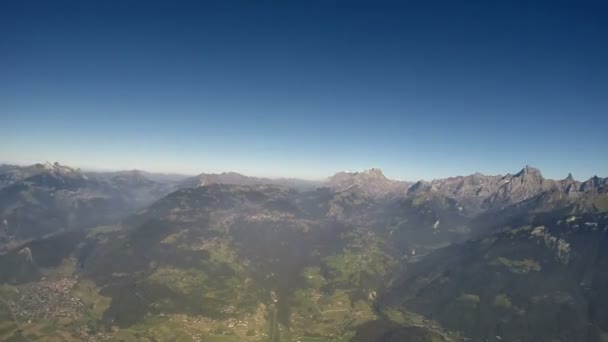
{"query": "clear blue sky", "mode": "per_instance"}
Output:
(421, 89)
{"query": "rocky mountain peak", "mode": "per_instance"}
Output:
(418, 187)
(371, 182)
(594, 183)
(525, 184)
(374, 173)
(55, 168)
(369, 174)
(569, 185)
(528, 171)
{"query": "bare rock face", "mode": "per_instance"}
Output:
(569, 185)
(470, 190)
(478, 193)
(595, 183)
(527, 183)
(370, 182)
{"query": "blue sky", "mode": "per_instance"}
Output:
(421, 89)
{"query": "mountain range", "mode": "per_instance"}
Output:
(132, 255)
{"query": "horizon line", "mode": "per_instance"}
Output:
(176, 173)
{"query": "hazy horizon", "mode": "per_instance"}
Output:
(218, 171)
